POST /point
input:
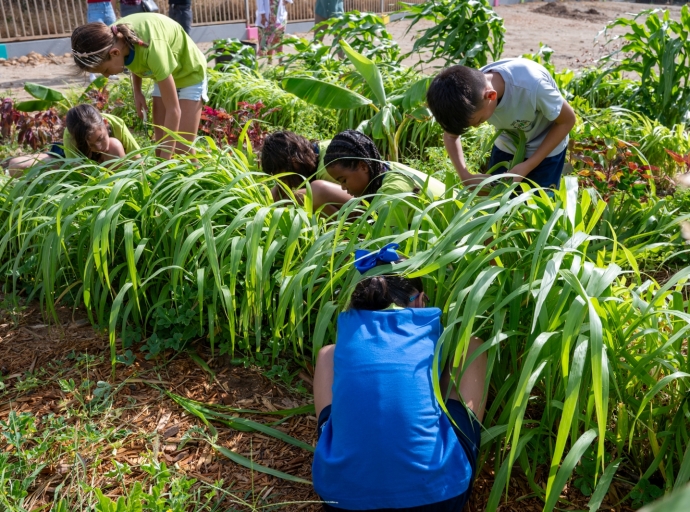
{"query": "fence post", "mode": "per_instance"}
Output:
(246, 12)
(382, 6)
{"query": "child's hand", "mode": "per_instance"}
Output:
(140, 104)
(522, 170)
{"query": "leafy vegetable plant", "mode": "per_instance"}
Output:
(467, 32)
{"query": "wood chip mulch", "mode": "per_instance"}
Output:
(48, 351)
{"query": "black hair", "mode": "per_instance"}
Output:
(80, 122)
(351, 147)
(379, 292)
(454, 96)
(288, 152)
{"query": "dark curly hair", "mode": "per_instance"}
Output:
(379, 292)
(349, 148)
(80, 122)
(289, 152)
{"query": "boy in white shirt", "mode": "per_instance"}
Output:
(512, 95)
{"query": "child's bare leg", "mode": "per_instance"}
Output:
(17, 165)
(158, 121)
(323, 379)
(189, 123)
(471, 383)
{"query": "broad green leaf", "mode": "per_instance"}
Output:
(324, 94)
(368, 70)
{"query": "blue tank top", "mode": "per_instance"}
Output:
(387, 443)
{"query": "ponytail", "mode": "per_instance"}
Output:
(91, 43)
(379, 292)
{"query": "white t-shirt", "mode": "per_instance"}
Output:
(530, 103)
(264, 7)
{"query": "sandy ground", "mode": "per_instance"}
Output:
(573, 39)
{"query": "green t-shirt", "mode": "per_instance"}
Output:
(321, 172)
(120, 132)
(170, 52)
(401, 178)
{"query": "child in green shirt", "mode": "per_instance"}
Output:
(151, 46)
(287, 152)
(88, 133)
(353, 160)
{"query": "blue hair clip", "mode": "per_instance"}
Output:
(366, 260)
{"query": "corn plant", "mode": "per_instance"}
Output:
(657, 49)
(466, 32)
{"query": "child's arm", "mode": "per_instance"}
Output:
(139, 99)
(454, 149)
(559, 131)
(173, 113)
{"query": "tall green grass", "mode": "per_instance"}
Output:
(587, 356)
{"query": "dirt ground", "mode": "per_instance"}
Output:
(570, 28)
(38, 356)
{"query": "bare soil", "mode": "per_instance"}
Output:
(569, 28)
(34, 347)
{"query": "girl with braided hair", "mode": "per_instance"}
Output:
(353, 160)
(385, 441)
(151, 46)
(297, 161)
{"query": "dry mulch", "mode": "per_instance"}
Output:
(559, 10)
(29, 344)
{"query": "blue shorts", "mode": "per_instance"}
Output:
(57, 149)
(547, 174)
(101, 11)
(469, 433)
(194, 92)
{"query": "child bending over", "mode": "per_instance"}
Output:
(514, 95)
(384, 440)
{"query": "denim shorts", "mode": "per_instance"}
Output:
(194, 92)
(547, 174)
(469, 434)
(102, 11)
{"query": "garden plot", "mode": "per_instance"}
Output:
(170, 312)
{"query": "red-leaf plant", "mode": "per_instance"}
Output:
(610, 166)
(33, 130)
(226, 127)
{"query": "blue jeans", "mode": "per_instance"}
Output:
(126, 10)
(181, 14)
(547, 174)
(102, 11)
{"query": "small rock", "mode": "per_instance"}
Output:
(51, 54)
(23, 59)
(67, 55)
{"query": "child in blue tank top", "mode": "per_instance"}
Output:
(384, 441)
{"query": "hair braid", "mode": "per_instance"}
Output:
(91, 43)
(349, 148)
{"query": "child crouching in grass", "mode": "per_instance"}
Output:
(300, 161)
(384, 440)
(88, 134)
(514, 95)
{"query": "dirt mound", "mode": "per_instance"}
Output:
(559, 10)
